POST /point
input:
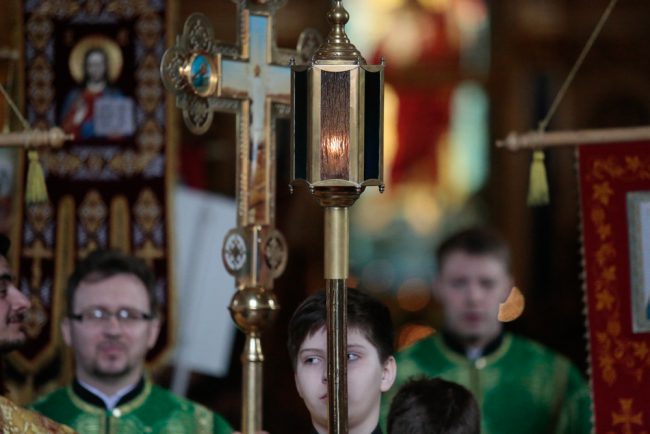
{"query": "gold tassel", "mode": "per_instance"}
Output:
(538, 185)
(36, 191)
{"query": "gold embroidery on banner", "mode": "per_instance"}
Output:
(615, 355)
(39, 216)
(149, 252)
(60, 163)
(128, 7)
(120, 237)
(150, 140)
(36, 318)
(626, 417)
(41, 78)
(63, 267)
(149, 29)
(148, 215)
(92, 215)
(65, 246)
(147, 211)
(37, 252)
(149, 92)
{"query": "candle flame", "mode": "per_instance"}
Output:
(334, 158)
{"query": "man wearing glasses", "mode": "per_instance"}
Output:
(112, 323)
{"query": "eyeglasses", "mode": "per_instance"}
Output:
(98, 315)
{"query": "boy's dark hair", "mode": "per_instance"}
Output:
(475, 241)
(433, 406)
(365, 313)
(102, 264)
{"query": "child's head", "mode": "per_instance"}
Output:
(371, 366)
(433, 406)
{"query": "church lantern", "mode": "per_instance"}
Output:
(337, 150)
(337, 115)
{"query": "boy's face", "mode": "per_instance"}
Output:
(470, 289)
(367, 379)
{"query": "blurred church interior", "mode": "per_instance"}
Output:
(460, 74)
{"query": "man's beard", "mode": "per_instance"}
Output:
(11, 344)
(103, 374)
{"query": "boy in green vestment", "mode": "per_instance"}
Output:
(520, 386)
(111, 323)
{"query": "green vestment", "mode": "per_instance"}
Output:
(521, 387)
(151, 410)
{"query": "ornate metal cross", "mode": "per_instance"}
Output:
(251, 79)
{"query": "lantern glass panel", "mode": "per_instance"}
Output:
(335, 125)
(372, 126)
(300, 123)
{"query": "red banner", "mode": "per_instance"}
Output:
(615, 219)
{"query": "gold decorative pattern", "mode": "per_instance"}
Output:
(616, 357)
(16, 420)
(148, 214)
(147, 211)
(615, 354)
(627, 417)
(120, 238)
(37, 252)
(92, 215)
(35, 318)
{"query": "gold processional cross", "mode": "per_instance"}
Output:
(253, 80)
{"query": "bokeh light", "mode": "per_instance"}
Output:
(410, 333)
(414, 294)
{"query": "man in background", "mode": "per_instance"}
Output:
(520, 386)
(13, 305)
(111, 324)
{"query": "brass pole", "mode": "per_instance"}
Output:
(336, 272)
(253, 310)
(252, 360)
(336, 242)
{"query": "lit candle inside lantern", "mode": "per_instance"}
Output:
(335, 125)
(334, 157)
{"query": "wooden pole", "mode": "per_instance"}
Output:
(534, 140)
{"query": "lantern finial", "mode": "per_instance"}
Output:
(337, 48)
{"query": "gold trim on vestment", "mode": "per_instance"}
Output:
(124, 409)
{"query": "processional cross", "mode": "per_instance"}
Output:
(253, 80)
